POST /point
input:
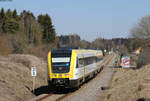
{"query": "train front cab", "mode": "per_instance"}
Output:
(61, 66)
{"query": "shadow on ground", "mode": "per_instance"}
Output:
(143, 99)
(48, 90)
(42, 90)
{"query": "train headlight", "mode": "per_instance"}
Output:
(54, 75)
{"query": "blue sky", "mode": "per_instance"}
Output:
(88, 18)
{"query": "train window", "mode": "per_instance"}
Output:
(89, 60)
(94, 59)
(86, 61)
(99, 59)
(81, 63)
(61, 54)
(60, 67)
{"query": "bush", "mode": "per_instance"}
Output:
(40, 50)
(5, 46)
(144, 57)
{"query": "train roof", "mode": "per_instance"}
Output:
(76, 50)
(80, 52)
(88, 53)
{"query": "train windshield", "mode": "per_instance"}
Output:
(61, 62)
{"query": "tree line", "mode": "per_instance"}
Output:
(26, 33)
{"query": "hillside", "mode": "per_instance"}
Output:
(129, 85)
(15, 76)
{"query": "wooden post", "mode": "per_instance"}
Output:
(33, 84)
(33, 74)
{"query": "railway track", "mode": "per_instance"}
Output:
(40, 99)
(60, 97)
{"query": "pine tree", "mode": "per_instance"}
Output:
(9, 13)
(10, 26)
(14, 14)
(49, 33)
(2, 19)
(2, 13)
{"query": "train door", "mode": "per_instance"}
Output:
(84, 68)
(81, 68)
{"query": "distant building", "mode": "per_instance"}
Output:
(69, 40)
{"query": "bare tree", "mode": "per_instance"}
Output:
(98, 43)
(142, 29)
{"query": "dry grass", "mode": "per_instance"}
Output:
(15, 76)
(39, 50)
(5, 46)
(129, 85)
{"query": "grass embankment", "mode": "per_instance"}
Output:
(129, 85)
(15, 77)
